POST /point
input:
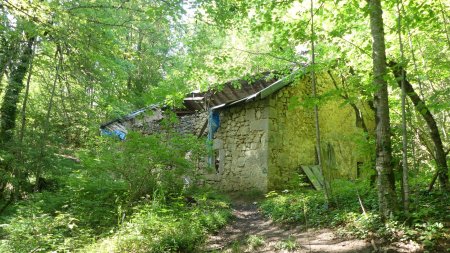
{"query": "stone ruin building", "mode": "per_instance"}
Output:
(263, 132)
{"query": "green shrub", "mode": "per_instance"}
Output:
(149, 163)
(85, 207)
(310, 206)
(34, 231)
(131, 192)
(173, 227)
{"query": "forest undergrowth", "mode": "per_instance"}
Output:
(353, 212)
(123, 197)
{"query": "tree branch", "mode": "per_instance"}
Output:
(120, 7)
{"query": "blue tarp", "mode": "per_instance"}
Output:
(116, 132)
(214, 124)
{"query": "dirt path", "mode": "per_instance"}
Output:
(251, 232)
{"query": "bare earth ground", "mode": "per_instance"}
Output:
(239, 236)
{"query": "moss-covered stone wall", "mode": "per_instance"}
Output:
(292, 138)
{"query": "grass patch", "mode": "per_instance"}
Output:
(254, 242)
(288, 244)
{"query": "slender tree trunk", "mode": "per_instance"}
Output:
(413, 138)
(385, 179)
(405, 187)
(58, 55)
(129, 38)
(25, 99)
(8, 109)
(316, 109)
(19, 174)
(419, 104)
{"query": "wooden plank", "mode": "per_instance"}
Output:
(316, 170)
(311, 176)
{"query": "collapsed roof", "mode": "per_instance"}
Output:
(230, 93)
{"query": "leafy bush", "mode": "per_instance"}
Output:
(63, 225)
(172, 227)
(149, 163)
(35, 231)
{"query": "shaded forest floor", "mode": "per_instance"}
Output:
(250, 231)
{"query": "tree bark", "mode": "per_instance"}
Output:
(8, 109)
(421, 107)
(385, 175)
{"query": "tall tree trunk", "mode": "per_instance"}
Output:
(421, 107)
(405, 187)
(316, 109)
(139, 84)
(8, 109)
(385, 179)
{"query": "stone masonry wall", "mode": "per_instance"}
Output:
(240, 147)
(193, 123)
